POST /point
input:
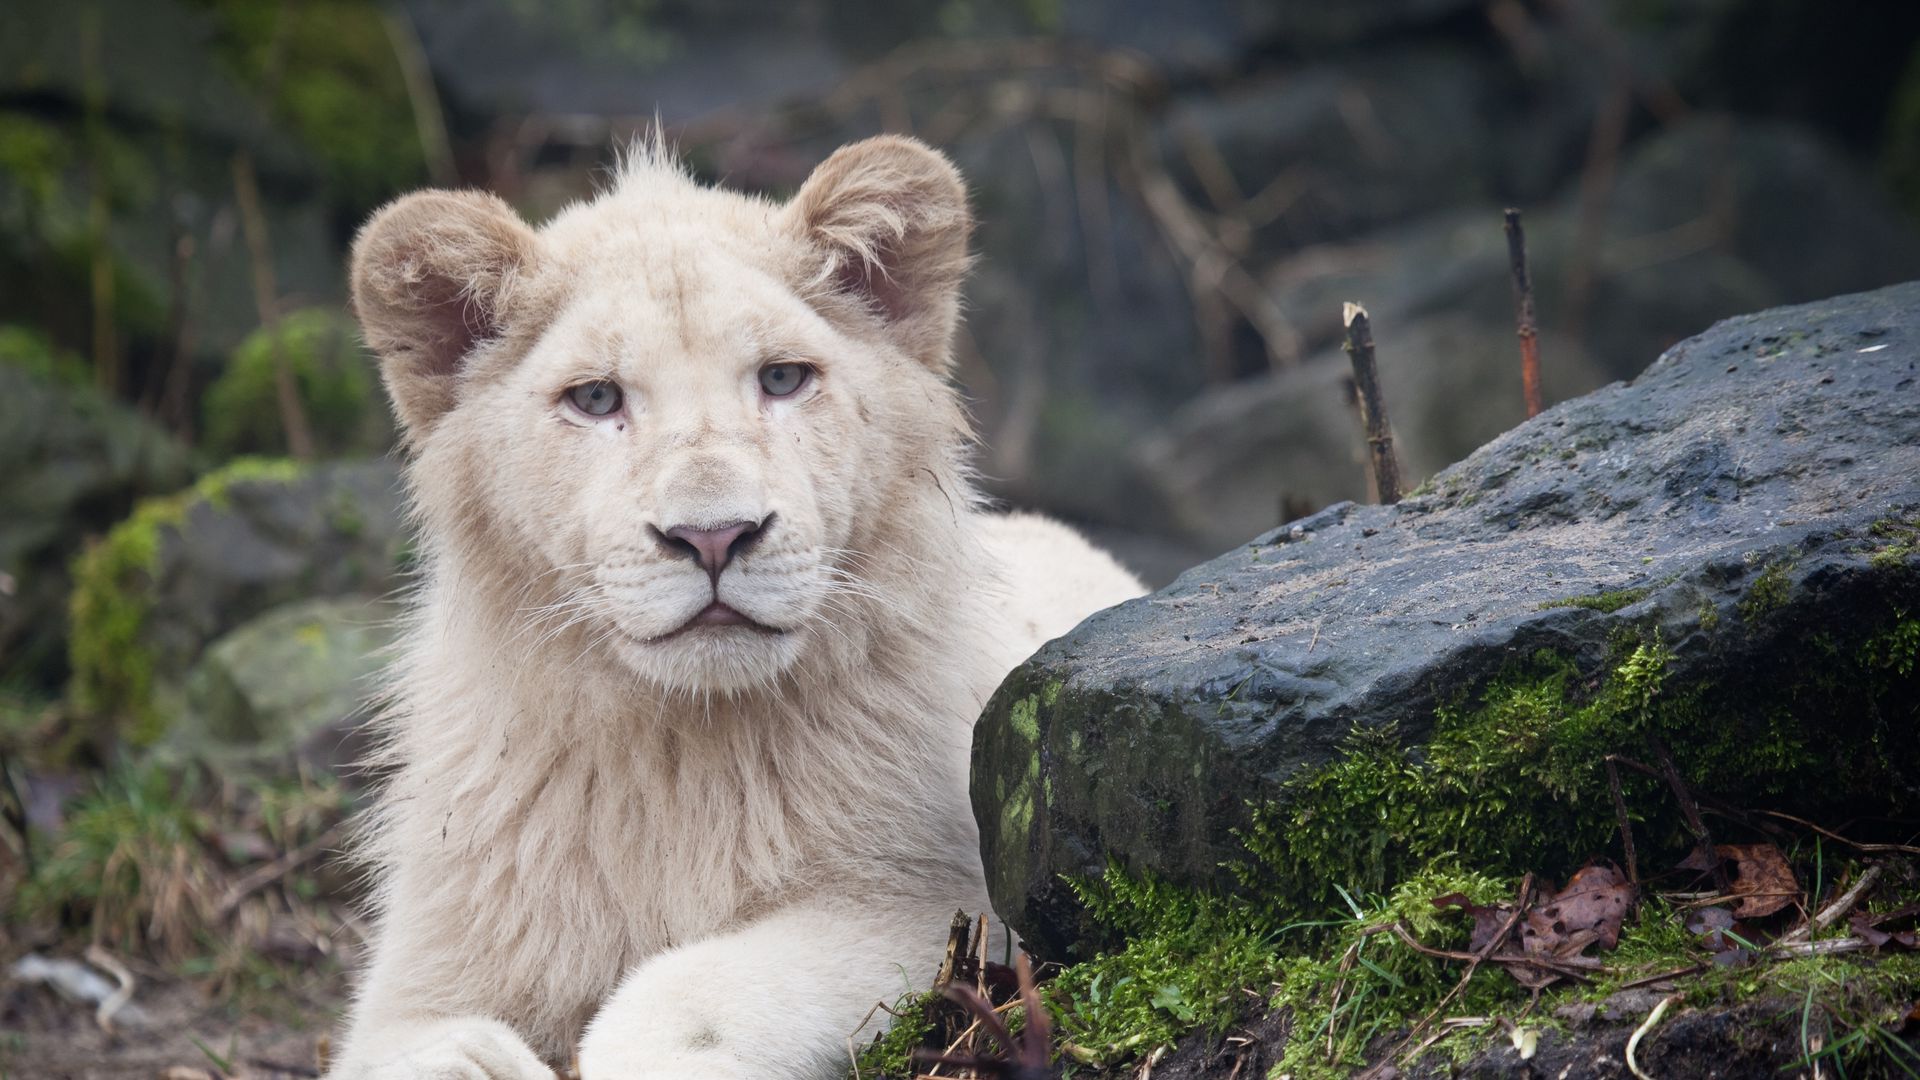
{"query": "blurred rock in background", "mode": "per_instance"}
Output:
(1174, 201)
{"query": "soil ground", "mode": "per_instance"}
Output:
(46, 1037)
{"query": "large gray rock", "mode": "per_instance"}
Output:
(1724, 554)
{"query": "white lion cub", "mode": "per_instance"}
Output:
(677, 750)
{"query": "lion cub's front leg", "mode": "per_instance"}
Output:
(775, 1001)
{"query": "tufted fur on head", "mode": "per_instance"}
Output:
(713, 801)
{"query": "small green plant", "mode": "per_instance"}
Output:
(1363, 981)
(891, 1053)
(1769, 592)
(132, 864)
(1898, 540)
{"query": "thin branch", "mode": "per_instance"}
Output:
(275, 870)
(1626, 826)
(1513, 919)
(1835, 911)
(266, 293)
(1907, 849)
(1523, 320)
(429, 119)
(1373, 406)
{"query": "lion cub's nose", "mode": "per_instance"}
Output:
(713, 548)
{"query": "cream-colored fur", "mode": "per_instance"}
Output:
(708, 851)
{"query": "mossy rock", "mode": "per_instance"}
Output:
(185, 569)
(332, 375)
(72, 462)
(1714, 562)
(286, 688)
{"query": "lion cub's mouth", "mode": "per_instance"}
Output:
(717, 614)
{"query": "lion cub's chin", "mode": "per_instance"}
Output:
(728, 658)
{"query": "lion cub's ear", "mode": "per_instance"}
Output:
(435, 274)
(889, 215)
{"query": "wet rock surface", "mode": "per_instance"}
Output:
(1758, 484)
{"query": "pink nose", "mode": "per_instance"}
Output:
(714, 548)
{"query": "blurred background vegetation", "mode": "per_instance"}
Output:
(198, 524)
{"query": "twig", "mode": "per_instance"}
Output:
(1820, 948)
(957, 934)
(1373, 407)
(116, 1001)
(429, 119)
(275, 870)
(1578, 967)
(1690, 809)
(1837, 910)
(253, 222)
(1519, 910)
(1676, 973)
(1907, 849)
(1653, 1018)
(1523, 319)
(1626, 826)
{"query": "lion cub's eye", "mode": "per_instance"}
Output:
(597, 398)
(782, 379)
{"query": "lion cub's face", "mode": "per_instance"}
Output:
(688, 406)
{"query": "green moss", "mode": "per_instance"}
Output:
(335, 85)
(113, 597)
(1024, 717)
(1187, 964)
(333, 377)
(1608, 602)
(1361, 983)
(1506, 784)
(1896, 542)
(31, 350)
(1895, 650)
(1769, 592)
(891, 1052)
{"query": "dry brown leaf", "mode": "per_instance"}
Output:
(1762, 880)
(1590, 909)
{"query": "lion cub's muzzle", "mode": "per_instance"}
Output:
(712, 548)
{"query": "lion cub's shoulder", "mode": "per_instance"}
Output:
(1052, 575)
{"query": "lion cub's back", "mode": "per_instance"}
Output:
(1053, 578)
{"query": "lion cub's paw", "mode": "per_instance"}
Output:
(464, 1049)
